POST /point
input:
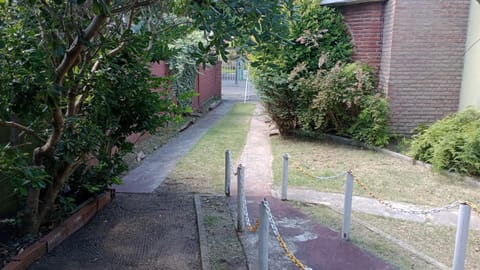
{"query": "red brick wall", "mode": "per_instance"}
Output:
(422, 60)
(365, 22)
(159, 69)
(208, 84)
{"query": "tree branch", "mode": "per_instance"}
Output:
(23, 128)
(76, 47)
(58, 122)
(134, 5)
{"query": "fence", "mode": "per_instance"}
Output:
(233, 71)
(463, 219)
(266, 217)
(262, 224)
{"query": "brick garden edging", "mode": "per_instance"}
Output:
(72, 224)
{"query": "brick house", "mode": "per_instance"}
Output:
(418, 49)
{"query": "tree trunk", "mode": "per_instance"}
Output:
(37, 208)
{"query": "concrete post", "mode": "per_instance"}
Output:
(241, 198)
(347, 206)
(285, 177)
(228, 171)
(263, 238)
(461, 238)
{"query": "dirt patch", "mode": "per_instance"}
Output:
(147, 144)
(223, 245)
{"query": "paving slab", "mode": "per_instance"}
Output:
(157, 166)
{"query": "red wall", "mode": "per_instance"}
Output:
(422, 70)
(159, 69)
(365, 22)
(208, 85)
(417, 49)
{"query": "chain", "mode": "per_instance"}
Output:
(413, 212)
(305, 172)
(247, 218)
(281, 242)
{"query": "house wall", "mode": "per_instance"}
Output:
(387, 37)
(422, 60)
(470, 93)
(365, 22)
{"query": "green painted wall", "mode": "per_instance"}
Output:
(470, 93)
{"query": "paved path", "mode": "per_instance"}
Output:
(157, 166)
(372, 206)
(315, 245)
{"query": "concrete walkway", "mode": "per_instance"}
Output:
(157, 166)
(315, 245)
(371, 206)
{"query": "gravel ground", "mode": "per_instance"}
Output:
(135, 231)
(223, 245)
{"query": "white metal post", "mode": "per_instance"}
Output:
(285, 177)
(228, 171)
(245, 92)
(347, 206)
(263, 238)
(241, 198)
(461, 239)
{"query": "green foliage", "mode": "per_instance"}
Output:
(371, 124)
(184, 66)
(333, 100)
(317, 30)
(312, 31)
(308, 84)
(74, 82)
(279, 99)
(15, 167)
(452, 143)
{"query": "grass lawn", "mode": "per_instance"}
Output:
(434, 241)
(388, 177)
(203, 168)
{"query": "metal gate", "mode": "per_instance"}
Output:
(233, 71)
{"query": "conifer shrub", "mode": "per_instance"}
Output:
(452, 143)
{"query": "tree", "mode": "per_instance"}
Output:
(75, 81)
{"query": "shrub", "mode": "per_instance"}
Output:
(305, 85)
(345, 101)
(317, 30)
(452, 143)
(279, 100)
(371, 124)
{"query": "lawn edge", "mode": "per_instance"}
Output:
(472, 181)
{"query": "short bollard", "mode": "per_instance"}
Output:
(461, 238)
(228, 171)
(285, 177)
(241, 198)
(347, 206)
(263, 238)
